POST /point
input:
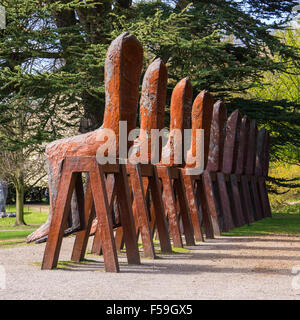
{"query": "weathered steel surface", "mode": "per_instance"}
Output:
(110, 182)
(261, 168)
(211, 204)
(191, 200)
(172, 153)
(151, 115)
(169, 202)
(71, 169)
(256, 198)
(97, 180)
(249, 171)
(238, 213)
(251, 168)
(230, 158)
(118, 195)
(217, 137)
(152, 102)
(250, 164)
(123, 67)
(241, 162)
(126, 216)
(231, 142)
(152, 106)
(141, 209)
(249, 209)
(159, 212)
(184, 210)
(66, 188)
(180, 115)
(225, 206)
(264, 197)
(242, 146)
(202, 110)
(82, 236)
(119, 239)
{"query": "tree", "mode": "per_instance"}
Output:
(275, 102)
(226, 44)
(52, 56)
(32, 111)
(24, 126)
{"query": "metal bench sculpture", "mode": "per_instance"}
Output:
(163, 194)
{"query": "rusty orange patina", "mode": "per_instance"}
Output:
(217, 137)
(152, 108)
(180, 119)
(123, 67)
(202, 110)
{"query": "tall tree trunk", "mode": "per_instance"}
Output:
(20, 201)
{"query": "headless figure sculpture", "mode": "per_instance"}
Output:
(123, 67)
(180, 119)
(201, 119)
(197, 158)
(152, 109)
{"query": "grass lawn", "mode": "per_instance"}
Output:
(286, 221)
(33, 218)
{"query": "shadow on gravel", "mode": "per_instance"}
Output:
(165, 268)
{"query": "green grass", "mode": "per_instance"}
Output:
(17, 234)
(66, 264)
(6, 244)
(291, 209)
(31, 216)
(285, 221)
(6, 235)
(282, 222)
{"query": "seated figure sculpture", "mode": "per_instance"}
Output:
(123, 67)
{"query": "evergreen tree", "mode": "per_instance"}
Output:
(52, 57)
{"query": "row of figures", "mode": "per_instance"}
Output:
(120, 203)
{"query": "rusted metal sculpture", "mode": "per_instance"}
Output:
(201, 119)
(235, 163)
(243, 152)
(174, 193)
(143, 177)
(215, 189)
(230, 158)
(261, 169)
(96, 194)
(122, 73)
(120, 78)
(240, 195)
(250, 170)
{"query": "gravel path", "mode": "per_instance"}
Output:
(257, 267)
